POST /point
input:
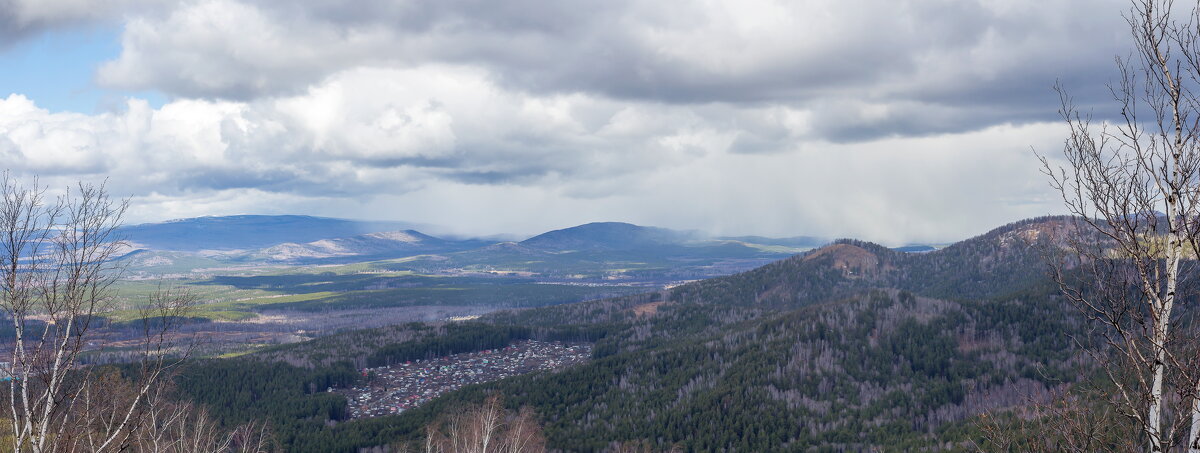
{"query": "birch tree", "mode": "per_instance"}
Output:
(57, 269)
(1134, 183)
(487, 428)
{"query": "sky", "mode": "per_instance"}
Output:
(897, 121)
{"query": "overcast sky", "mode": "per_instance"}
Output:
(890, 120)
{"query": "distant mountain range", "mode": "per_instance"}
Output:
(596, 249)
(244, 232)
(249, 232)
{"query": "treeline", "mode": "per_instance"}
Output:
(242, 390)
(293, 401)
(455, 338)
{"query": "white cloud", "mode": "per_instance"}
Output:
(982, 62)
(229, 49)
(447, 145)
(895, 191)
(890, 120)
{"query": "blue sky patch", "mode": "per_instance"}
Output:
(58, 71)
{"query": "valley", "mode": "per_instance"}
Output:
(617, 335)
(266, 280)
(850, 346)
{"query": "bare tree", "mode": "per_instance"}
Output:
(164, 423)
(1080, 420)
(180, 427)
(487, 428)
(1135, 185)
(57, 268)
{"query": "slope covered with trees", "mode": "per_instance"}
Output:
(851, 345)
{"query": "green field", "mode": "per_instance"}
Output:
(497, 276)
(236, 298)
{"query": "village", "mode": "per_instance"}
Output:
(394, 389)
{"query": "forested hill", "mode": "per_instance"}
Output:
(851, 346)
(1003, 261)
(876, 370)
(1007, 261)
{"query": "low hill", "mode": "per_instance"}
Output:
(607, 236)
(388, 244)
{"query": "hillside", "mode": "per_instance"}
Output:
(1004, 261)
(807, 351)
(850, 346)
(607, 236)
(387, 244)
(871, 370)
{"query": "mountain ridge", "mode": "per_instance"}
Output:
(598, 250)
(607, 236)
(246, 232)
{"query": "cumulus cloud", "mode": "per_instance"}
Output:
(359, 132)
(453, 146)
(890, 120)
(872, 68)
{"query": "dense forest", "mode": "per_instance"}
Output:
(848, 347)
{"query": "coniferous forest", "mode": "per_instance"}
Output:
(852, 346)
